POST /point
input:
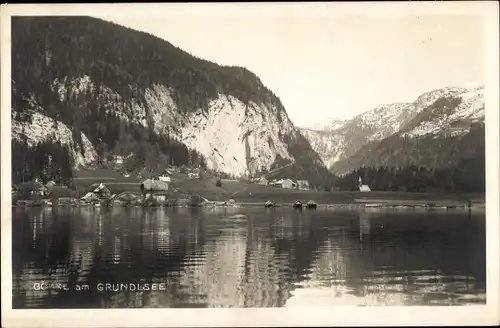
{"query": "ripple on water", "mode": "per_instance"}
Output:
(283, 258)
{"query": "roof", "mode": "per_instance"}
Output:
(97, 187)
(100, 188)
(50, 184)
(364, 188)
(156, 185)
(90, 196)
(165, 179)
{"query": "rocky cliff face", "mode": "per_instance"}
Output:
(116, 92)
(406, 119)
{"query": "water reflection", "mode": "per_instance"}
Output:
(266, 258)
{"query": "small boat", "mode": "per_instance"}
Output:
(373, 205)
(312, 204)
(237, 217)
(297, 204)
(269, 204)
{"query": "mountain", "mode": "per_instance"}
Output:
(444, 134)
(448, 116)
(113, 96)
(331, 125)
(345, 149)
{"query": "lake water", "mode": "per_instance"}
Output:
(135, 257)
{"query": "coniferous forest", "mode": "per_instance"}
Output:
(467, 176)
(47, 161)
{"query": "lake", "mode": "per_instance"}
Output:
(167, 257)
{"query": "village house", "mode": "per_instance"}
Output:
(100, 190)
(90, 197)
(32, 190)
(363, 187)
(262, 181)
(303, 184)
(288, 184)
(276, 183)
(155, 190)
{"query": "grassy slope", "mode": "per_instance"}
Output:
(116, 182)
(242, 192)
(250, 193)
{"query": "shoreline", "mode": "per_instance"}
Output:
(389, 204)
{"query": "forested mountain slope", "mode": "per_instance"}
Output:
(109, 94)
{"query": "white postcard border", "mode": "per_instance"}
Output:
(302, 316)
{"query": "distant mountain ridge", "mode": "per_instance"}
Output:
(332, 125)
(446, 112)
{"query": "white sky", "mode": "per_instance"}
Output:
(332, 67)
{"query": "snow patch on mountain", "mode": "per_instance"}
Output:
(331, 125)
(42, 128)
(386, 120)
(470, 110)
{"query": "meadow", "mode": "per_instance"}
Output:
(242, 192)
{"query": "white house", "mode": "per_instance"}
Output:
(165, 179)
(288, 184)
(303, 184)
(364, 188)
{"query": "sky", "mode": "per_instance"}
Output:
(324, 67)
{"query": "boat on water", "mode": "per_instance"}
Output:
(312, 204)
(297, 204)
(374, 205)
(269, 204)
